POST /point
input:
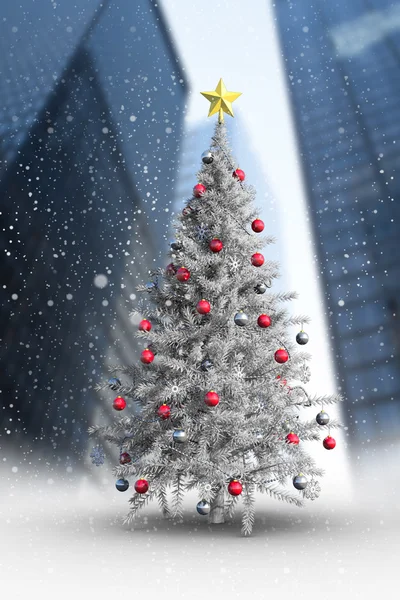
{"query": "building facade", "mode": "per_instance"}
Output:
(86, 179)
(343, 66)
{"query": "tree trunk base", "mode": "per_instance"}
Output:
(217, 510)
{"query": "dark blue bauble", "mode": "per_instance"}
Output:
(122, 485)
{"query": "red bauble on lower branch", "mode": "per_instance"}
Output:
(281, 356)
(257, 260)
(119, 403)
(264, 320)
(239, 174)
(144, 325)
(147, 356)
(257, 225)
(141, 486)
(164, 411)
(329, 443)
(203, 307)
(199, 190)
(235, 488)
(171, 269)
(211, 398)
(292, 438)
(182, 274)
(125, 458)
(216, 245)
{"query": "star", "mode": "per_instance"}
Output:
(221, 101)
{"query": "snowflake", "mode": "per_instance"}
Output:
(234, 264)
(312, 491)
(238, 372)
(205, 490)
(305, 373)
(97, 456)
(201, 232)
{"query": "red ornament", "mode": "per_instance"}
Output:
(119, 403)
(125, 458)
(199, 190)
(211, 398)
(171, 269)
(239, 174)
(257, 259)
(203, 307)
(144, 325)
(329, 443)
(216, 245)
(281, 356)
(141, 486)
(257, 225)
(147, 356)
(292, 438)
(264, 320)
(182, 274)
(164, 411)
(235, 488)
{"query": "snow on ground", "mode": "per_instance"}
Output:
(61, 536)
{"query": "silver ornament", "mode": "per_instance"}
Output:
(206, 365)
(179, 436)
(241, 319)
(207, 157)
(176, 245)
(260, 288)
(302, 338)
(97, 455)
(322, 418)
(128, 434)
(300, 482)
(122, 485)
(203, 507)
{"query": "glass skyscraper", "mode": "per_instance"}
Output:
(343, 65)
(92, 99)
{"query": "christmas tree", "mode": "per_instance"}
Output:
(219, 382)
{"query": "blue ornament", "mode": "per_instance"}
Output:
(122, 485)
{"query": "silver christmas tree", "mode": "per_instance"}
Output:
(220, 383)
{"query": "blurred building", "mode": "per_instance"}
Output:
(92, 98)
(343, 66)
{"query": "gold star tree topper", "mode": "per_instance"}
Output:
(221, 101)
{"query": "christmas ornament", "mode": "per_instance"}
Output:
(144, 325)
(199, 190)
(257, 259)
(122, 485)
(203, 307)
(203, 507)
(207, 157)
(179, 436)
(150, 286)
(211, 398)
(235, 488)
(312, 490)
(119, 403)
(260, 288)
(97, 456)
(322, 418)
(206, 365)
(147, 356)
(300, 481)
(216, 245)
(221, 101)
(141, 486)
(164, 411)
(281, 356)
(257, 225)
(239, 174)
(241, 319)
(114, 383)
(302, 338)
(187, 211)
(264, 320)
(128, 434)
(125, 458)
(171, 269)
(176, 245)
(329, 443)
(292, 438)
(182, 274)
